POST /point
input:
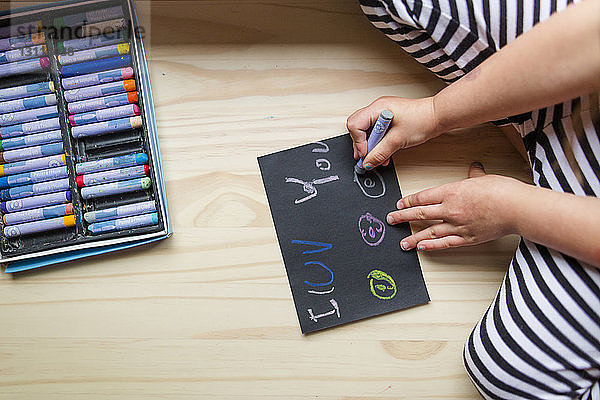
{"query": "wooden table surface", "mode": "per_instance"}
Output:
(208, 314)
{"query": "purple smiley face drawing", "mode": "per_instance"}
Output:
(371, 229)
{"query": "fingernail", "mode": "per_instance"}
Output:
(404, 245)
(368, 166)
(399, 205)
(420, 247)
(389, 219)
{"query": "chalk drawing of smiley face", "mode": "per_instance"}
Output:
(371, 184)
(371, 229)
(382, 285)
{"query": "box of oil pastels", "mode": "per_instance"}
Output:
(80, 170)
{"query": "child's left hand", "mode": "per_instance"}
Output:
(472, 211)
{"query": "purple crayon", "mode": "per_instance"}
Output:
(27, 178)
(33, 165)
(114, 50)
(89, 17)
(35, 202)
(27, 103)
(16, 42)
(43, 125)
(23, 54)
(36, 114)
(71, 45)
(104, 89)
(97, 78)
(29, 228)
(31, 140)
(109, 189)
(19, 92)
(28, 153)
(91, 117)
(122, 224)
(19, 192)
(105, 164)
(24, 67)
(100, 128)
(127, 210)
(112, 176)
(100, 103)
(36, 214)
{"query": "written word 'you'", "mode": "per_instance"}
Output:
(320, 287)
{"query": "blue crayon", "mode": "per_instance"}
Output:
(97, 78)
(91, 117)
(29, 127)
(36, 214)
(31, 140)
(17, 42)
(30, 228)
(120, 187)
(379, 129)
(128, 210)
(33, 177)
(23, 54)
(113, 175)
(27, 103)
(27, 203)
(33, 165)
(103, 64)
(121, 224)
(24, 67)
(112, 50)
(101, 128)
(105, 164)
(28, 153)
(100, 103)
(104, 89)
(89, 17)
(92, 41)
(35, 114)
(35, 189)
(21, 29)
(19, 92)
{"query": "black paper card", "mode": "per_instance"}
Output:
(343, 260)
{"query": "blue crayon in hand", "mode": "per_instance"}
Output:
(35, 189)
(103, 64)
(35, 202)
(120, 187)
(127, 210)
(121, 224)
(105, 164)
(36, 114)
(104, 89)
(24, 67)
(31, 140)
(26, 128)
(27, 103)
(27, 178)
(97, 78)
(36, 214)
(19, 92)
(101, 128)
(101, 103)
(379, 129)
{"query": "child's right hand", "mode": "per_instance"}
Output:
(414, 123)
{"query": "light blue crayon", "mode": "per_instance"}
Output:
(101, 128)
(33, 177)
(104, 89)
(80, 56)
(109, 189)
(379, 129)
(105, 164)
(16, 42)
(24, 67)
(35, 114)
(35, 189)
(28, 203)
(31, 140)
(33, 165)
(39, 226)
(100, 103)
(89, 17)
(27, 103)
(35, 214)
(128, 210)
(92, 41)
(28, 153)
(21, 29)
(112, 175)
(106, 114)
(19, 92)
(121, 224)
(97, 78)
(29, 127)
(23, 53)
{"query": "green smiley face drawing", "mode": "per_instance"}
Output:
(382, 285)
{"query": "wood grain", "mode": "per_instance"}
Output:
(208, 314)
